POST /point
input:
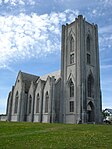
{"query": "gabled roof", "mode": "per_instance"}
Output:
(27, 76)
(56, 74)
(109, 110)
(27, 79)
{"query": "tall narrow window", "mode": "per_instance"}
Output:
(46, 102)
(71, 44)
(71, 106)
(16, 103)
(90, 86)
(71, 58)
(88, 43)
(37, 104)
(88, 59)
(30, 104)
(71, 88)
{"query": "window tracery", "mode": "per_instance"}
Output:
(46, 102)
(37, 103)
(71, 44)
(16, 102)
(88, 43)
(30, 104)
(71, 88)
(71, 106)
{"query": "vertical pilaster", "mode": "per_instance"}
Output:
(99, 100)
(9, 105)
(53, 99)
(62, 106)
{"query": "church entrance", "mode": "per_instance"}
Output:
(90, 112)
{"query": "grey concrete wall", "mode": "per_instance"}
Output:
(57, 100)
(39, 90)
(71, 71)
(17, 87)
(9, 104)
(79, 70)
(47, 116)
(32, 94)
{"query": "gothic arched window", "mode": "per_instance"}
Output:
(71, 58)
(88, 43)
(46, 102)
(71, 44)
(30, 104)
(88, 58)
(71, 88)
(37, 103)
(16, 102)
(71, 106)
(90, 83)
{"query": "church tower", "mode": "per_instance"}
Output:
(80, 73)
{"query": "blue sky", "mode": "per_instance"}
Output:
(30, 34)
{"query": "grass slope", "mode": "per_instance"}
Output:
(55, 136)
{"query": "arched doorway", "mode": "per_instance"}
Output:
(90, 112)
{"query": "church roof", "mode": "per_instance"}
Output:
(27, 79)
(56, 74)
(27, 76)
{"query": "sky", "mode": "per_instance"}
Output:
(30, 39)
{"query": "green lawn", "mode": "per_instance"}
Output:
(55, 136)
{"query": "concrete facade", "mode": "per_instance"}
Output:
(83, 71)
(70, 96)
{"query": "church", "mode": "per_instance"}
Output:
(70, 95)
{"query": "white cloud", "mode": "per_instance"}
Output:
(32, 2)
(94, 11)
(6, 67)
(105, 29)
(106, 2)
(6, 1)
(72, 14)
(105, 41)
(27, 36)
(16, 2)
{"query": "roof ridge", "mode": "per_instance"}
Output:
(29, 74)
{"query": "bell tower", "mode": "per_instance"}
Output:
(80, 73)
